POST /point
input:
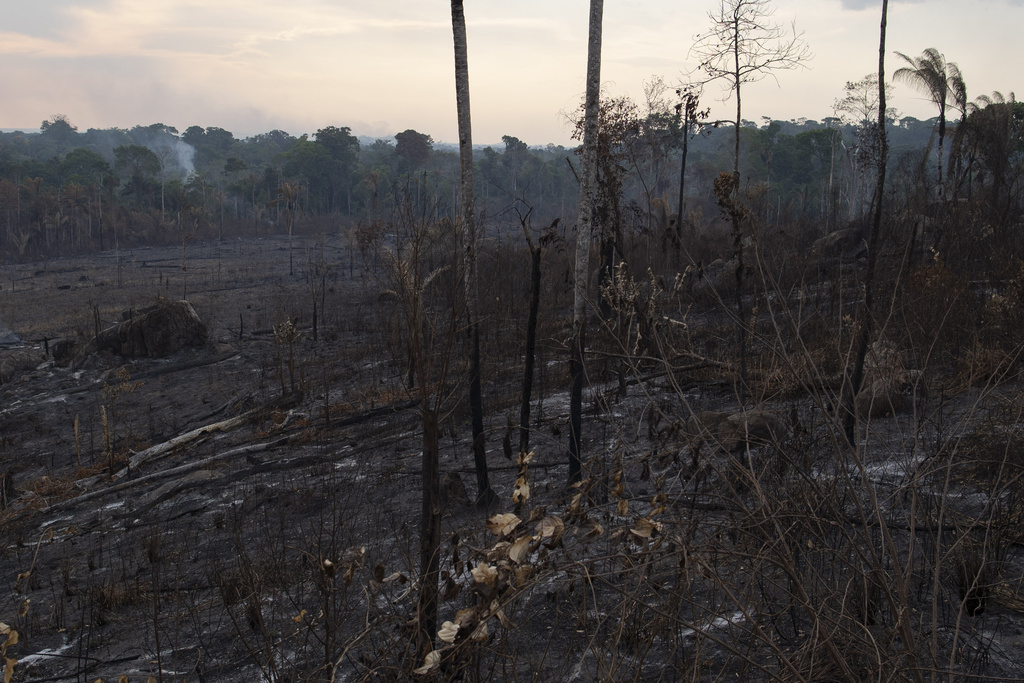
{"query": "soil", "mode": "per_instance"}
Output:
(217, 515)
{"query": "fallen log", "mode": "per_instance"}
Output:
(161, 449)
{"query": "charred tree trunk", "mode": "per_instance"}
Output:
(485, 495)
(430, 531)
(866, 327)
(531, 344)
(583, 238)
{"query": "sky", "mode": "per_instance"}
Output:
(381, 67)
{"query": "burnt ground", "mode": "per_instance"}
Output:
(252, 522)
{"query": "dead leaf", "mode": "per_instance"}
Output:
(503, 524)
(430, 662)
(590, 529)
(448, 632)
(521, 493)
(485, 574)
(522, 574)
(500, 613)
(551, 527)
(480, 632)
(519, 549)
(9, 669)
(466, 617)
(645, 528)
(397, 576)
(622, 507)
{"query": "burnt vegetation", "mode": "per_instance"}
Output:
(232, 489)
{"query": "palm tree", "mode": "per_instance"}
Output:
(583, 237)
(941, 81)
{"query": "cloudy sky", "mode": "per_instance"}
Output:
(380, 67)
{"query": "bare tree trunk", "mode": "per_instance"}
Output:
(485, 494)
(531, 343)
(430, 530)
(866, 327)
(737, 233)
(583, 239)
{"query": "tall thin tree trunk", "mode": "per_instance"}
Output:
(430, 528)
(737, 233)
(857, 378)
(531, 343)
(583, 239)
(485, 494)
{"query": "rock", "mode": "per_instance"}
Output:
(881, 398)
(161, 331)
(846, 243)
(7, 337)
(16, 363)
(735, 431)
(716, 276)
(63, 351)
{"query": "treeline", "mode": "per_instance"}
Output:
(64, 191)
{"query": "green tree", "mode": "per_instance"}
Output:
(60, 132)
(342, 155)
(413, 147)
(141, 164)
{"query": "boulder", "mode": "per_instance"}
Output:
(8, 337)
(163, 330)
(846, 243)
(63, 350)
(18, 362)
(735, 431)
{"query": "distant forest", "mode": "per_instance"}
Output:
(64, 191)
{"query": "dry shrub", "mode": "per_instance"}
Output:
(48, 490)
(980, 365)
(939, 311)
(992, 454)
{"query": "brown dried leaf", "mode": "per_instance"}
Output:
(551, 527)
(525, 458)
(500, 613)
(448, 632)
(397, 576)
(430, 663)
(485, 574)
(480, 632)
(590, 529)
(503, 524)
(521, 493)
(522, 574)
(9, 669)
(499, 552)
(645, 528)
(622, 507)
(466, 617)
(519, 549)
